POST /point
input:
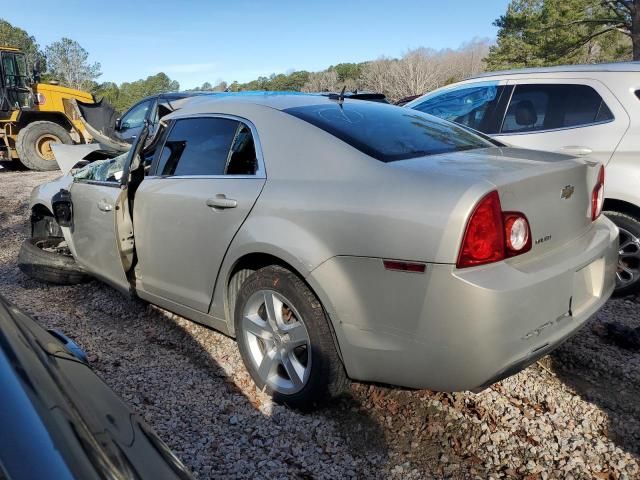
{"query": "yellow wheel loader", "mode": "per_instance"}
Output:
(34, 115)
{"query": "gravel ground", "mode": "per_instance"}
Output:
(575, 414)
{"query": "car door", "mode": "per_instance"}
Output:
(206, 178)
(101, 235)
(132, 121)
(574, 116)
(477, 105)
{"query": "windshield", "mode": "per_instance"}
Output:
(109, 170)
(14, 66)
(388, 133)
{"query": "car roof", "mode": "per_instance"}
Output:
(596, 67)
(176, 95)
(274, 100)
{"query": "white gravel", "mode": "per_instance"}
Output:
(575, 415)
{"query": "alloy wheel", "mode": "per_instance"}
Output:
(628, 270)
(277, 341)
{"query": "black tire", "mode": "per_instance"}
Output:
(628, 225)
(327, 377)
(35, 134)
(49, 266)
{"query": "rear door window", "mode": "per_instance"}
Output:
(476, 107)
(208, 146)
(388, 133)
(553, 106)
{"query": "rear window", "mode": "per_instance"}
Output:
(388, 133)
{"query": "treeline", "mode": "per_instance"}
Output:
(417, 71)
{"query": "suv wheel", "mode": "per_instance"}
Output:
(285, 339)
(628, 274)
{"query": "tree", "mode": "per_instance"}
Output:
(326, 81)
(69, 63)
(128, 93)
(11, 36)
(221, 86)
(551, 32)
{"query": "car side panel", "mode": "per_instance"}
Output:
(180, 240)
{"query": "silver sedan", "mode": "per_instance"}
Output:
(340, 239)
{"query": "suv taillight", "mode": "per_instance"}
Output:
(493, 235)
(597, 196)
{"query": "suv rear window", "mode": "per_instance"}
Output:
(388, 133)
(552, 106)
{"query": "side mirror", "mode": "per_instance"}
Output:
(118, 123)
(62, 208)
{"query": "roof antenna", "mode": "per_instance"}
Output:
(341, 96)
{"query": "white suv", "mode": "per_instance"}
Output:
(586, 110)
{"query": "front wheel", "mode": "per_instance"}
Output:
(285, 340)
(628, 271)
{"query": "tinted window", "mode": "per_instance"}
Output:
(476, 107)
(545, 107)
(388, 133)
(242, 158)
(198, 146)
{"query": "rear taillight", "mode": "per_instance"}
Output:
(493, 235)
(516, 233)
(597, 196)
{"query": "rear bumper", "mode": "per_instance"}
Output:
(454, 330)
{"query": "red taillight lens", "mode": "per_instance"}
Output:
(597, 196)
(493, 235)
(483, 240)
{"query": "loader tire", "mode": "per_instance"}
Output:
(38, 260)
(34, 144)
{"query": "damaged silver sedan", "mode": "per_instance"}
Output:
(339, 239)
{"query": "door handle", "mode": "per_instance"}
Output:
(576, 150)
(220, 201)
(104, 206)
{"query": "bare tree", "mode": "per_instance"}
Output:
(326, 81)
(421, 70)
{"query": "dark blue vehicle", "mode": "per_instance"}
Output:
(58, 420)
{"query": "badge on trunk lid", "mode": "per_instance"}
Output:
(567, 191)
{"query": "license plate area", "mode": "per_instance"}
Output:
(588, 283)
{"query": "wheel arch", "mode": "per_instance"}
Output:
(248, 263)
(241, 269)
(54, 117)
(613, 204)
(43, 222)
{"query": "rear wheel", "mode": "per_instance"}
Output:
(628, 272)
(34, 144)
(285, 339)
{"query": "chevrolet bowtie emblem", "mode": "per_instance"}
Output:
(567, 191)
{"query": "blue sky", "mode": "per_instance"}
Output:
(197, 41)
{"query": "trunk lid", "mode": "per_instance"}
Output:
(552, 190)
